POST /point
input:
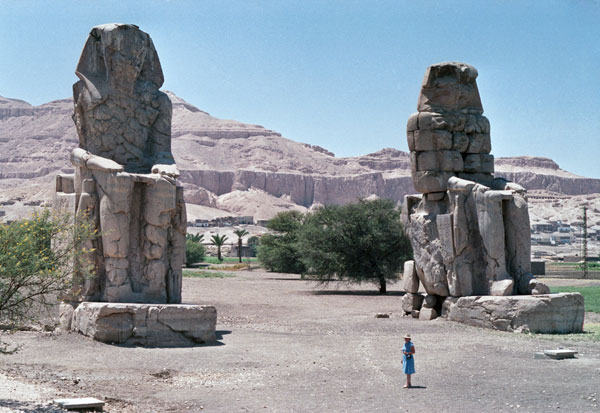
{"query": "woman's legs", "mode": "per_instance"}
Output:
(408, 384)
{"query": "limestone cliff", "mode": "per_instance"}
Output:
(218, 156)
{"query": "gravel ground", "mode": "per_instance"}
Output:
(286, 345)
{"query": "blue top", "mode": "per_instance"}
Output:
(408, 361)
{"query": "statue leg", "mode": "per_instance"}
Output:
(157, 212)
(115, 191)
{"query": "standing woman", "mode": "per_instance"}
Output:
(408, 360)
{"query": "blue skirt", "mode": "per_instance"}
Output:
(408, 365)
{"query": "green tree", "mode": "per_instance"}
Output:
(195, 237)
(218, 241)
(278, 250)
(253, 243)
(194, 250)
(362, 242)
(36, 263)
(240, 233)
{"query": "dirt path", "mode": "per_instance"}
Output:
(285, 346)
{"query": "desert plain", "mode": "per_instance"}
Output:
(290, 345)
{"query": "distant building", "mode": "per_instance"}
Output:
(544, 227)
(541, 239)
(558, 238)
(223, 221)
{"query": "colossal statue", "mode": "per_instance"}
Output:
(469, 230)
(124, 170)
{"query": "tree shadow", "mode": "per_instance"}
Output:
(218, 334)
(357, 292)
(284, 279)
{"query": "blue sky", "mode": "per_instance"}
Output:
(341, 74)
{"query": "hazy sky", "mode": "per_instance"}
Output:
(341, 74)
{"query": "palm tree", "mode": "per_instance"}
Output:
(240, 233)
(195, 237)
(218, 241)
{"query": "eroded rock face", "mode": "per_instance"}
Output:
(119, 112)
(449, 136)
(469, 230)
(146, 325)
(124, 170)
(553, 313)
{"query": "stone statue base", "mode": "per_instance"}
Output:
(148, 325)
(561, 313)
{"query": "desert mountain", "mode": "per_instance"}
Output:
(234, 168)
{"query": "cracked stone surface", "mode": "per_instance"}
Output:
(469, 230)
(552, 313)
(150, 325)
(125, 174)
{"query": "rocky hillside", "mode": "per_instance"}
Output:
(233, 167)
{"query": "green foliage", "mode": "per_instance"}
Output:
(218, 241)
(591, 296)
(591, 332)
(278, 251)
(362, 242)
(253, 243)
(214, 260)
(195, 237)
(194, 251)
(36, 262)
(207, 274)
(240, 234)
(594, 266)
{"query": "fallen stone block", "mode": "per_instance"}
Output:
(410, 280)
(551, 313)
(448, 302)
(87, 403)
(427, 314)
(412, 302)
(152, 325)
(560, 354)
(502, 288)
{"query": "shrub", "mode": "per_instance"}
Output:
(37, 258)
(253, 243)
(194, 252)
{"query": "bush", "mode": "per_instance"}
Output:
(37, 258)
(278, 251)
(194, 252)
(253, 243)
(355, 242)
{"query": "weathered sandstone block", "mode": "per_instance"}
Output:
(551, 313)
(427, 314)
(155, 325)
(412, 302)
(410, 279)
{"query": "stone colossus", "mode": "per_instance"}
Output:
(125, 180)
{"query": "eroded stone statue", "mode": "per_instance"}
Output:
(124, 169)
(469, 230)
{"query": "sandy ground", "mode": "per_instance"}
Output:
(286, 346)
